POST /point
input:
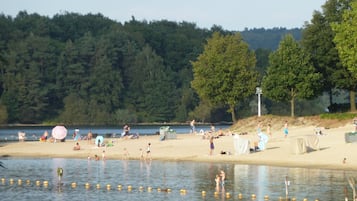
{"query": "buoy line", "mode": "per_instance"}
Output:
(123, 188)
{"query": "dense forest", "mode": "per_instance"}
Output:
(88, 69)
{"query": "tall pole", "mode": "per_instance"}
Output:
(259, 93)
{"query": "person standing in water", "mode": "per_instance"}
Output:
(222, 174)
(218, 182)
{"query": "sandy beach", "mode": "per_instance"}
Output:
(191, 147)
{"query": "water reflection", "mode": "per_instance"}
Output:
(193, 177)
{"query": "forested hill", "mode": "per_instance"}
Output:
(268, 38)
(88, 69)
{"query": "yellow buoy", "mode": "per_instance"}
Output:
(130, 188)
(203, 193)
(240, 196)
(169, 190)
(108, 186)
(254, 196)
(216, 194)
(38, 183)
(87, 185)
(19, 182)
(228, 195)
(158, 189)
(293, 199)
(11, 181)
(28, 182)
(141, 188)
(74, 185)
(149, 189)
(98, 186)
(305, 199)
(266, 197)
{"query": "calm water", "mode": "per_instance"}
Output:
(325, 185)
(34, 132)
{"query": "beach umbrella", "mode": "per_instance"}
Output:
(99, 139)
(59, 132)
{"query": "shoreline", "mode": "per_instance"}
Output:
(192, 148)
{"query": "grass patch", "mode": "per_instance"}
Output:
(338, 116)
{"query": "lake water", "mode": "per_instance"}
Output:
(10, 133)
(186, 180)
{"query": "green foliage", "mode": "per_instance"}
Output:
(268, 38)
(345, 38)
(88, 69)
(151, 90)
(338, 116)
(3, 114)
(224, 72)
(125, 116)
(318, 39)
(202, 112)
(290, 74)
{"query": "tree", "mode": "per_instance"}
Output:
(151, 90)
(224, 72)
(290, 74)
(318, 41)
(345, 38)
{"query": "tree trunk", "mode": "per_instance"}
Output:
(292, 103)
(352, 101)
(233, 113)
(330, 96)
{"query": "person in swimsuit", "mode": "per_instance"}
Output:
(211, 146)
(286, 129)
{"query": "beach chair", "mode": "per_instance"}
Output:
(241, 145)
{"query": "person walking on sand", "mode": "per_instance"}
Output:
(148, 151)
(269, 129)
(89, 137)
(192, 124)
(141, 154)
(286, 129)
(355, 123)
(211, 146)
(259, 127)
(103, 156)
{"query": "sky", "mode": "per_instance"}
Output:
(232, 15)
